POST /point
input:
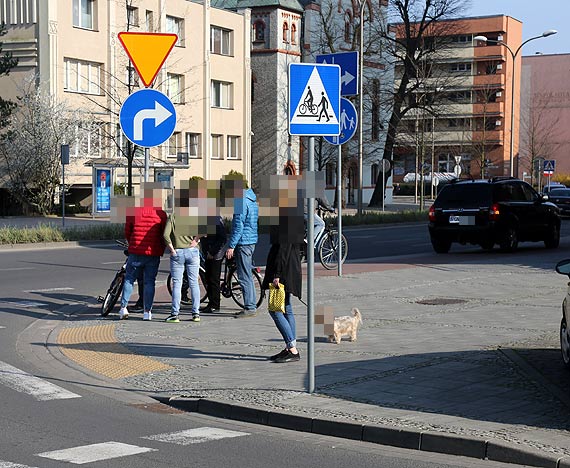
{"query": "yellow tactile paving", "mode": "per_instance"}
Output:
(97, 349)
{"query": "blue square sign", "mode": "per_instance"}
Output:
(314, 99)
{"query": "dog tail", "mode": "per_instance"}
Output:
(357, 314)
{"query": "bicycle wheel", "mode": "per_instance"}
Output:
(113, 293)
(237, 294)
(186, 299)
(328, 250)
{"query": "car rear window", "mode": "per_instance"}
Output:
(560, 192)
(464, 195)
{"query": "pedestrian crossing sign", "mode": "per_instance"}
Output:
(549, 165)
(314, 99)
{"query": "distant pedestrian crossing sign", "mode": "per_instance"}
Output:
(314, 99)
(549, 166)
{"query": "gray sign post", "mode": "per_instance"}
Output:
(64, 160)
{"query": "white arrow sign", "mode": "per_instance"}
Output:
(346, 78)
(159, 114)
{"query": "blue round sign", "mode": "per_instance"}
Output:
(348, 122)
(147, 118)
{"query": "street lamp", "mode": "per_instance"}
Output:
(546, 33)
(362, 4)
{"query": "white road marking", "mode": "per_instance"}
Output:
(5, 464)
(195, 436)
(95, 452)
(2, 326)
(17, 269)
(23, 382)
(48, 290)
(23, 304)
(112, 263)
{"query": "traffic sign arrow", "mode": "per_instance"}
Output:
(346, 79)
(159, 114)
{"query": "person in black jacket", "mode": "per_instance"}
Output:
(214, 248)
(284, 266)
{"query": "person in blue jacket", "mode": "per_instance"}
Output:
(242, 243)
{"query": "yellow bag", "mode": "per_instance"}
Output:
(276, 301)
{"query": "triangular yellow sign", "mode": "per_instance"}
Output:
(147, 51)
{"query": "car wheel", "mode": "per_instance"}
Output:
(440, 245)
(510, 240)
(565, 343)
(552, 240)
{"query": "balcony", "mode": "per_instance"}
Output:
(489, 137)
(489, 108)
(484, 81)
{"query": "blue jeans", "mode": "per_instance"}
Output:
(190, 259)
(244, 262)
(285, 323)
(148, 264)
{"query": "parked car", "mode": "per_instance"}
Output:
(561, 198)
(552, 186)
(501, 210)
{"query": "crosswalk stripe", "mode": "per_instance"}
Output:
(195, 436)
(95, 452)
(23, 382)
(47, 290)
(23, 304)
(6, 464)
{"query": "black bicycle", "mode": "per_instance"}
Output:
(326, 246)
(116, 288)
(229, 286)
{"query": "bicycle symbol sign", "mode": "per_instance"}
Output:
(314, 99)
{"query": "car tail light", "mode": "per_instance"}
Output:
(431, 213)
(494, 212)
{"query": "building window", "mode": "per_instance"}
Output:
(259, 35)
(132, 17)
(330, 174)
(221, 41)
(132, 77)
(285, 32)
(233, 147)
(217, 146)
(222, 94)
(347, 27)
(462, 39)
(175, 88)
(84, 14)
(374, 169)
(460, 67)
(149, 21)
(88, 141)
(293, 33)
(174, 145)
(175, 26)
(193, 145)
(82, 77)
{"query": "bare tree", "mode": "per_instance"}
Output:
(418, 40)
(480, 142)
(30, 147)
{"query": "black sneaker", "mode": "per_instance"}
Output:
(139, 307)
(209, 310)
(289, 357)
(245, 314)
(279, 354)
(172, 318)
(185, 299)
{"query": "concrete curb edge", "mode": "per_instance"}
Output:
(428, 441)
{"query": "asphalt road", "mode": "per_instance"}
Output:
(36, 432)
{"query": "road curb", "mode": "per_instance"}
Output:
(55, 245)
(428, 441)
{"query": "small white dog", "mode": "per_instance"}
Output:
(346, 325)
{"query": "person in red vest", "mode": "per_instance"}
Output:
(144, 226)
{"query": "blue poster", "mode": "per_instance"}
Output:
(103, 187)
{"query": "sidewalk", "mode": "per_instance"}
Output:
(453, 358)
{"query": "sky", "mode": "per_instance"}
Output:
(536, 17)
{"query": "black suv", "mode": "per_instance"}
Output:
(502, 210)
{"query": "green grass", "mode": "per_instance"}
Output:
(48, 233)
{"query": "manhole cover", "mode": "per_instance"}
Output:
(440, 301)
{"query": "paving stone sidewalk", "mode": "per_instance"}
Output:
(468, 349)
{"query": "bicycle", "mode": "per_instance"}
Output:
(312, 108)
(229, 284)
(326, 246)
(116, 288)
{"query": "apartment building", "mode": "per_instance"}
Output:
(464, 102)
(545, 115)
(71, 46)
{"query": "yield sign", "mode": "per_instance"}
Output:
(147, 51)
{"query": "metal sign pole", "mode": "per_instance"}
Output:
(311, 276)
(383, 184)
(339, 206)
(146, 163)
(63, 196)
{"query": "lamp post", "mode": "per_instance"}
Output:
(514, 54)
(362, 4)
